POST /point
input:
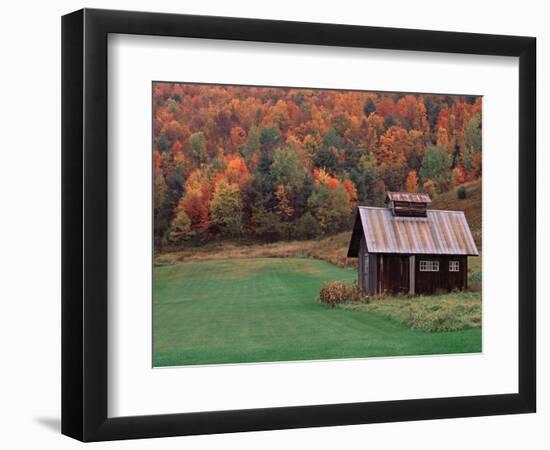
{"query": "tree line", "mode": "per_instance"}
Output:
(282, 163)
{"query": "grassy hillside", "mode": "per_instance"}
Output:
(264, 309)
(471, 206)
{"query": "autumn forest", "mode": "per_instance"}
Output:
(267, 164)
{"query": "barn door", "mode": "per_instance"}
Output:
(399, 273)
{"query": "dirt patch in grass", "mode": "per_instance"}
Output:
(448, 312)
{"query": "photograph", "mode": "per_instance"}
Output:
(272, 225)
(296, 224)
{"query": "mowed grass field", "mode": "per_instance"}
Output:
(264, 309)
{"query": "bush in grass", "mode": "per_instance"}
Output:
(461, 192)
(337, 292)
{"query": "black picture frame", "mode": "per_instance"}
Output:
(84, 224)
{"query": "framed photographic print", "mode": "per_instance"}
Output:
(274, 224)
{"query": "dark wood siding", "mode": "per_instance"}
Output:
(362, 267)
(380, 273)
(445, 280)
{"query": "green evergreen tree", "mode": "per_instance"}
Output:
(369, 107)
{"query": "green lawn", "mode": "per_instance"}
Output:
(264, 309)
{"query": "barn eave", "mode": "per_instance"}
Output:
(440, 233)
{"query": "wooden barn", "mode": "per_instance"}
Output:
(409, 248)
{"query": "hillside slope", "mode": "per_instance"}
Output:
(471, 206)
(332, 249)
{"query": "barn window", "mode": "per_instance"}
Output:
(429, 266)
(454, 266)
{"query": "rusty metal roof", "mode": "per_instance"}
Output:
(413, 197)
(440, 233)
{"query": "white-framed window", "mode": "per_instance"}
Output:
(454, 266)
(429, 266)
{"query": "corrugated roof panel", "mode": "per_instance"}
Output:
(440, 233)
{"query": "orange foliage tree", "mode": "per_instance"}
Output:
(412, 181)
